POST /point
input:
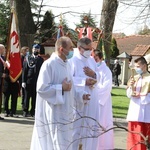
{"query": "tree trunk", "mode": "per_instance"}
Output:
(107, 22)
(26, 24)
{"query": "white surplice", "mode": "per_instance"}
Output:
(86, 129)
(54, 110)
(106, 140)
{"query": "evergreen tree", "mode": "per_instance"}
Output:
(91, 20)
(4, 21)
(47, 27)
(114, 51)
(91, 23)
(67, 31)
(63, 22)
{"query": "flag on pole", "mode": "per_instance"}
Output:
(60, 32)
(13, 53)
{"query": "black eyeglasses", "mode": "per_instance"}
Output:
(85, 48)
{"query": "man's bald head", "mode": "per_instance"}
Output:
(62, 42)
(2, 49)
(2, 46)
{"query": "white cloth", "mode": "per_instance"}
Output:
(139, 108)
(86, 129)
(54, 111)
(106, 141)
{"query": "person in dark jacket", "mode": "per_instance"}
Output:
(2, 74)
(31, 68)
(116, 72)
(24, 53)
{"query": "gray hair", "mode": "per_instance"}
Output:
(24, 48)
(84, 41)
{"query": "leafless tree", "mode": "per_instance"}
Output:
(107, 22)
(100, 130)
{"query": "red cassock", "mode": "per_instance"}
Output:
(134, 141)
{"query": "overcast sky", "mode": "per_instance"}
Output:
(125, 18)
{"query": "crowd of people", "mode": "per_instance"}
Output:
(25, 85)
(70, 97)
(70, 113)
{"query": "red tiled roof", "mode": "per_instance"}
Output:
(140, 50)
(128, 43)
(49, 42)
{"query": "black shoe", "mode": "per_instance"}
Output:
(1, 118)
(32, 114)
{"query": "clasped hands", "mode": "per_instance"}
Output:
(67, 85)
(131, 84)
(89, 72)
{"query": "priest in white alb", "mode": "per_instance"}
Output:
(86, 125)
(106, 139)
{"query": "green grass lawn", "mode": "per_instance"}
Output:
(120, 102)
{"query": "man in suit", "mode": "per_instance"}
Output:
(116, 72)
(2, 74)
(31, 68)
(24, 53)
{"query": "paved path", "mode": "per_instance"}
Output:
(15, 134)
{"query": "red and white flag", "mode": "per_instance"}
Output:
(13, 56)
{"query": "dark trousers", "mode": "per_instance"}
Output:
(14, 96)
(11, 90)
(22, 96)
(116, 82)
(30, 92)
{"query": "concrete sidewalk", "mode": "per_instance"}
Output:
(16, 133)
